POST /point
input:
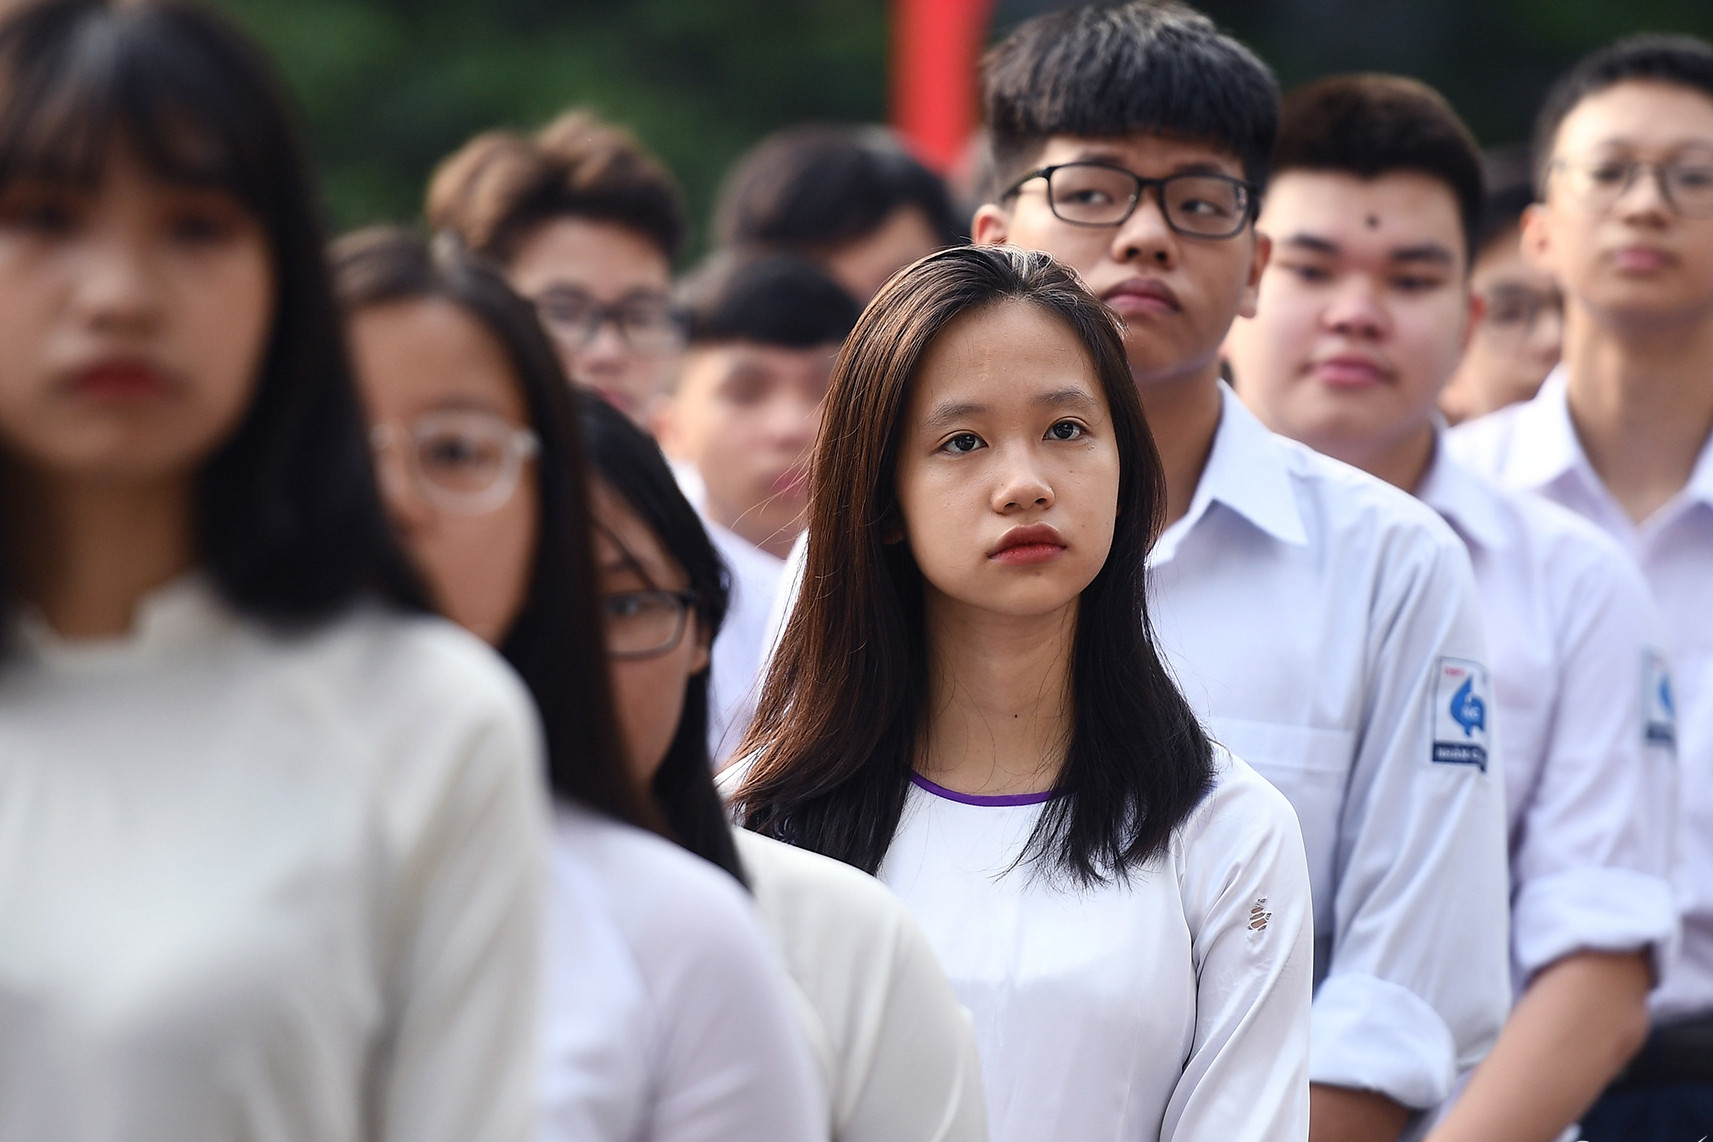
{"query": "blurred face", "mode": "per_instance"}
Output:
(135, 321)
(1516, 342)
(1008, 470)
(1363, 314)
(863, 266)
(1624, 254)
(571, 268)
(1177, 294)
(453, 455)
(745, 415)
(648, 688)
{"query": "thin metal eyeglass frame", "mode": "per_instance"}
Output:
(1250, 198)
(1632, 169)
(686, 600)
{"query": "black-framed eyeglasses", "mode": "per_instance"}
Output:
(651, 325)
(1101, 194)
(646, 624)
(1685, 185)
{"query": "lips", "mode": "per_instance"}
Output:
(1032, 543)
(1350, 371)
(1141, 297)
(120, 380)
(1640, 259)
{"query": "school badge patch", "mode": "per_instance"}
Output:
(1462, 705)
(1658, 706)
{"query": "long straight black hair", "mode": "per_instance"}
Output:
(630, 464)
(841, 713)
(556, 643)
(289, 526)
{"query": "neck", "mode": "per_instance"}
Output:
(88, 552)
(999, 699)
(1183, 416)
(1642, 403)
(1401, 463)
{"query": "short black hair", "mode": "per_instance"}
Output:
(557, 642)
(1683, 61)
(1104, 72)
(770, 299)
(813, 189)
(1371, 125)
(629, 462)
(289, 525)
(1510, 177)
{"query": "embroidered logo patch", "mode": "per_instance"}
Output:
(1461, 701)
(1659, 709)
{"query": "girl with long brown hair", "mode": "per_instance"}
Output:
(968, 702)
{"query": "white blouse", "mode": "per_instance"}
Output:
(265, 886)
(897, 1052)
(669, 1014)
(1171, 1006)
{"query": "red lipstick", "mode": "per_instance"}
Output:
(120, 380)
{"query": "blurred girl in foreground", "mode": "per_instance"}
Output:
(968, 702)
(268, 844)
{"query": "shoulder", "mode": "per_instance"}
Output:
(1485, 442)
(797, 888)
(1241, 813)
(1348, 504)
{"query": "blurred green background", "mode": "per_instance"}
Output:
(391, 86)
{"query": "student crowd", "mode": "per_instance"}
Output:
(1205, 633)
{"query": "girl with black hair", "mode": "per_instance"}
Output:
(667, 1014)
(968, 701)
(268, 841)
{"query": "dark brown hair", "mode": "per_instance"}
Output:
(502, 184)
(1371, 125)
(841, 712)
(556, 643)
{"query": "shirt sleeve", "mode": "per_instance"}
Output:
(466, 907)
(1590, 860)
(1245, 886)
(1416, 985)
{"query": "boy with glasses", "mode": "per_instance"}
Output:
(584, 223)
(1622, 433)
(1364, 309)
(1324, 624)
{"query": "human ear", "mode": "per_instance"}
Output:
(1535, 238)
(991, 225)
(700, 659)
(1258, 259)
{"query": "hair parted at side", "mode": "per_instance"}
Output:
(502, 184)
(556, 643)
(629, 462)
(1370, 125)
(289, 526)
(769, 299)
(1682, 61)
(1103, 72)
(841, 712)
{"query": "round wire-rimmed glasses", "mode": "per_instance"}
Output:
(1686, 185)
(645, 624)
(461, 460)
(1104, 195)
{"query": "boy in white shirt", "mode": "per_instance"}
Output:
(1364, 310)
(1622, 433)
(739, 424)
(1322, 623)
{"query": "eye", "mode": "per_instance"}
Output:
(1308, 273)
(962, 443)
(1414, 283)
(1609, 174)
(46, 213)
(1066, 430)
(201, 227)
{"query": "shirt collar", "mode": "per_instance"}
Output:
(182, 613)
(1462, 499)
(1247, 471)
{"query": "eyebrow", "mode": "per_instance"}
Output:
(1432, 252)
(951, 412)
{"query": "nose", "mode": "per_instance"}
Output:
(119, 286)
(1644, 198)
(1356, 310)
(1022, 484)
(1144, 236)
(603, 357)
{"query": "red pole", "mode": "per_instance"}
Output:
(936, 45)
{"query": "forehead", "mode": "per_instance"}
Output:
(422, 354)
(1395, 211)
(1638, 113)
(623, 537)
(1144, 153)
(606, 260)
(1002, 356)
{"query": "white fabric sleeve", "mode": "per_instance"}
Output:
(466, 934)
(1590, 860)
(1417, 983)
(1245, 885)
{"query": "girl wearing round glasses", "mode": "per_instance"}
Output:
(968, 702)
(268, 844)
(667, 1013)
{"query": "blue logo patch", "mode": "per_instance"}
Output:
(1461, 696)
(1659, 709)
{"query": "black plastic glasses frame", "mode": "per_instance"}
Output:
(1245, 214)
(686, 601)
(581, 330)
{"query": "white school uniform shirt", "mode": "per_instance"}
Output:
(1326, 627)
(267, 886)
(1589, 772)
(1533, 447)
(1172, 1006)
(669, 1015)
(896, 1051)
